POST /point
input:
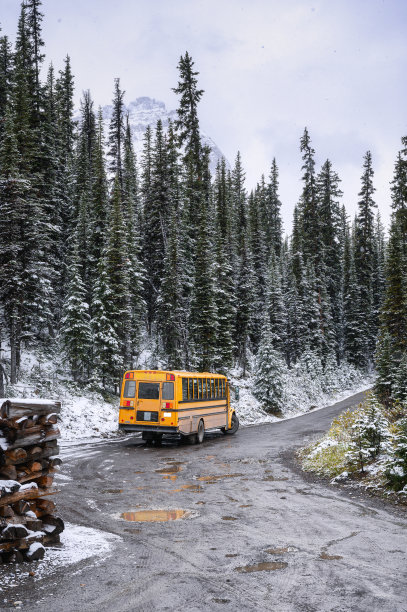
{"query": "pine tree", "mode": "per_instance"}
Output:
(203, 320)
(117, 266)
(275, 304)
(171, 311)
(354, 338)
(75, 324)
(6, 75)
(268, 381)
(396, 471)
(329, 267)
(274, 225)
(187, 128)
(364, 254)
(156, 211)
(106, 359)
(400, 380)
(117, 136)
(14, 220)
(308, 206)
(225, 306)
(385, 367)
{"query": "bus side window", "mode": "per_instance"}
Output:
(185, 388)
(223, 388)
(204, 388)
(200, 388)
(216, 387)
(168, 391)
(195, 388)
(212, 388)
(190, 388)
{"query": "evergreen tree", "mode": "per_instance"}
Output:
(268, 381)
(105, 343)
(117, 267)
(171, 312)
(308, 206)
(364, 254)
(14, 221)
(274, 223)
(75, 324)
(117, 136)
(6, 76)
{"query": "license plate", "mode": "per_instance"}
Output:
(147, 416)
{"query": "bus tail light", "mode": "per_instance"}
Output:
(170, 377)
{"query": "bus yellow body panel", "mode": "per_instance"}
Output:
(161, 402)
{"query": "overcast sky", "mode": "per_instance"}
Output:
(268, 67)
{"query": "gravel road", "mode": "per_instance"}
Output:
(251, 533)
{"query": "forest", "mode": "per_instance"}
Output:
(99, 249)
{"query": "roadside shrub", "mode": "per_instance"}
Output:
(370, 431)
(396, 470)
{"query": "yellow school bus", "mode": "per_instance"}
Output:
(156, 402)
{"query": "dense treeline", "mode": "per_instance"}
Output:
(97, 250)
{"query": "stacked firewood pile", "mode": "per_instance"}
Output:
(28, 462)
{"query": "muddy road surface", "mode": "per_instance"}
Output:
(229, 525)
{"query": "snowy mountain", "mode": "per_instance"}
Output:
(147, 111)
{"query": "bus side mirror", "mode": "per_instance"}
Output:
(237, 393)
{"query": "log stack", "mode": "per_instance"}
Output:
(28, 462)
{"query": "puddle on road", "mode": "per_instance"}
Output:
(214, 478)
(112, 491)
(327, 557)
(220, 600)
(229, 518)
(280, 551)
(266, 566)
(188, 487)
(171, 469)
(230, 555)
(155, 516)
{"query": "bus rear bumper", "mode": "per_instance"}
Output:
(153, 428)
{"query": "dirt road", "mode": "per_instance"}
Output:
(255, 534)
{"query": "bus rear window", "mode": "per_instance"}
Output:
(129, 388)
(148, 391)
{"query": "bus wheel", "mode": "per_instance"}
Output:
(235, 425)
(200, 433)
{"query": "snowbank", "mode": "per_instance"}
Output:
(302, 391)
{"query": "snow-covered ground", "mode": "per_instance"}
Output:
(86, 414)
(77, 544)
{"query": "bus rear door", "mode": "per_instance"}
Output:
(148, 401)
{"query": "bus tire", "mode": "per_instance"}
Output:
(234, 426)
(200, 434)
